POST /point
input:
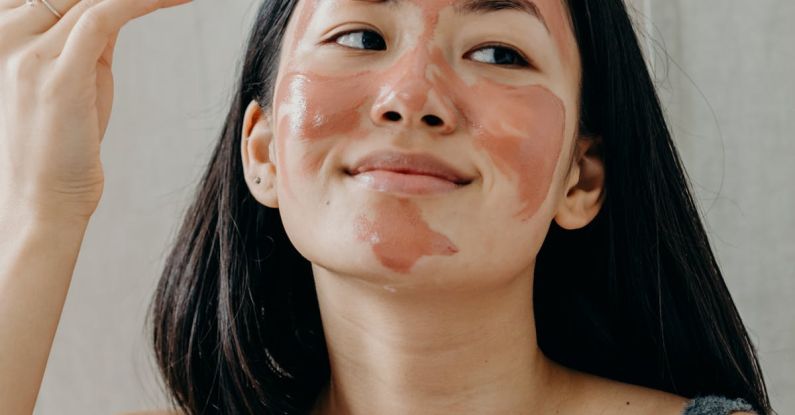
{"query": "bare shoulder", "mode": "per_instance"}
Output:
(613, 397)
(650, 401)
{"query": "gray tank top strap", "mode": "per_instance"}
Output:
(716, 405)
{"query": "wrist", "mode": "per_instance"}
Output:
(20, 216)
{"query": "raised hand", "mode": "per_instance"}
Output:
(56, 93)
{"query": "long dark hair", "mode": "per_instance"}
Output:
(236, 324)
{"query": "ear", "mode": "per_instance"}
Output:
(585, 184)
(257, 151)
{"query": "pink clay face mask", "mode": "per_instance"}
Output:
(520, 127)
(399, 236)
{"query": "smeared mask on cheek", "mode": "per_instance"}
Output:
(523, 134)
(315, 107)
(521, 128)
(399, 236)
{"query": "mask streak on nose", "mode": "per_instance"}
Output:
(406, 85)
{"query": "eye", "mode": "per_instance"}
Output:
(501, 56)
(368, 39)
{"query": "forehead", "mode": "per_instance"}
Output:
(464, 6)
(552, 14)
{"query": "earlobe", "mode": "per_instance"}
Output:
(584, 193)
(256, 150)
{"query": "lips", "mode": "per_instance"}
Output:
(415, 164)
(407, 174)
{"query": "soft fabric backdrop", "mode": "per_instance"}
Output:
(728, 91)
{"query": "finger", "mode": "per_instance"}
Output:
(97, 26)
(54, 39)
(10, 4)
(37, 18)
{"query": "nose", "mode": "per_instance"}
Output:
(408, 98)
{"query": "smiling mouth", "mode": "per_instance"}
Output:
(388, 181)
(413, 184)
(408, 174)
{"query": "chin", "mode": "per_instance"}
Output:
(427, 275)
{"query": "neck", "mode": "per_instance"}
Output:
(405, 351)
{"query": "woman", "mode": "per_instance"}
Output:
(414, 207)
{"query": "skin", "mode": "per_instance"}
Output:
(426, 301)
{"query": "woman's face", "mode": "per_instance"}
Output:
(424, 141)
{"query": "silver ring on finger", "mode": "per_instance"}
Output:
(47, 4)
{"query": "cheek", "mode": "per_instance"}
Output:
(523, 133)
(521, 128)
(313, 109)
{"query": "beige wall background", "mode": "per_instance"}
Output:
(724, 69)
(725, 72)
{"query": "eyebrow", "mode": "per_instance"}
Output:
(490, 6)
(483, 7)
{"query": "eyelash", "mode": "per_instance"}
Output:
(523, 62)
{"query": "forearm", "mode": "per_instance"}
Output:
(37, 259)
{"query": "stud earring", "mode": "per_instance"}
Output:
(257, 180)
